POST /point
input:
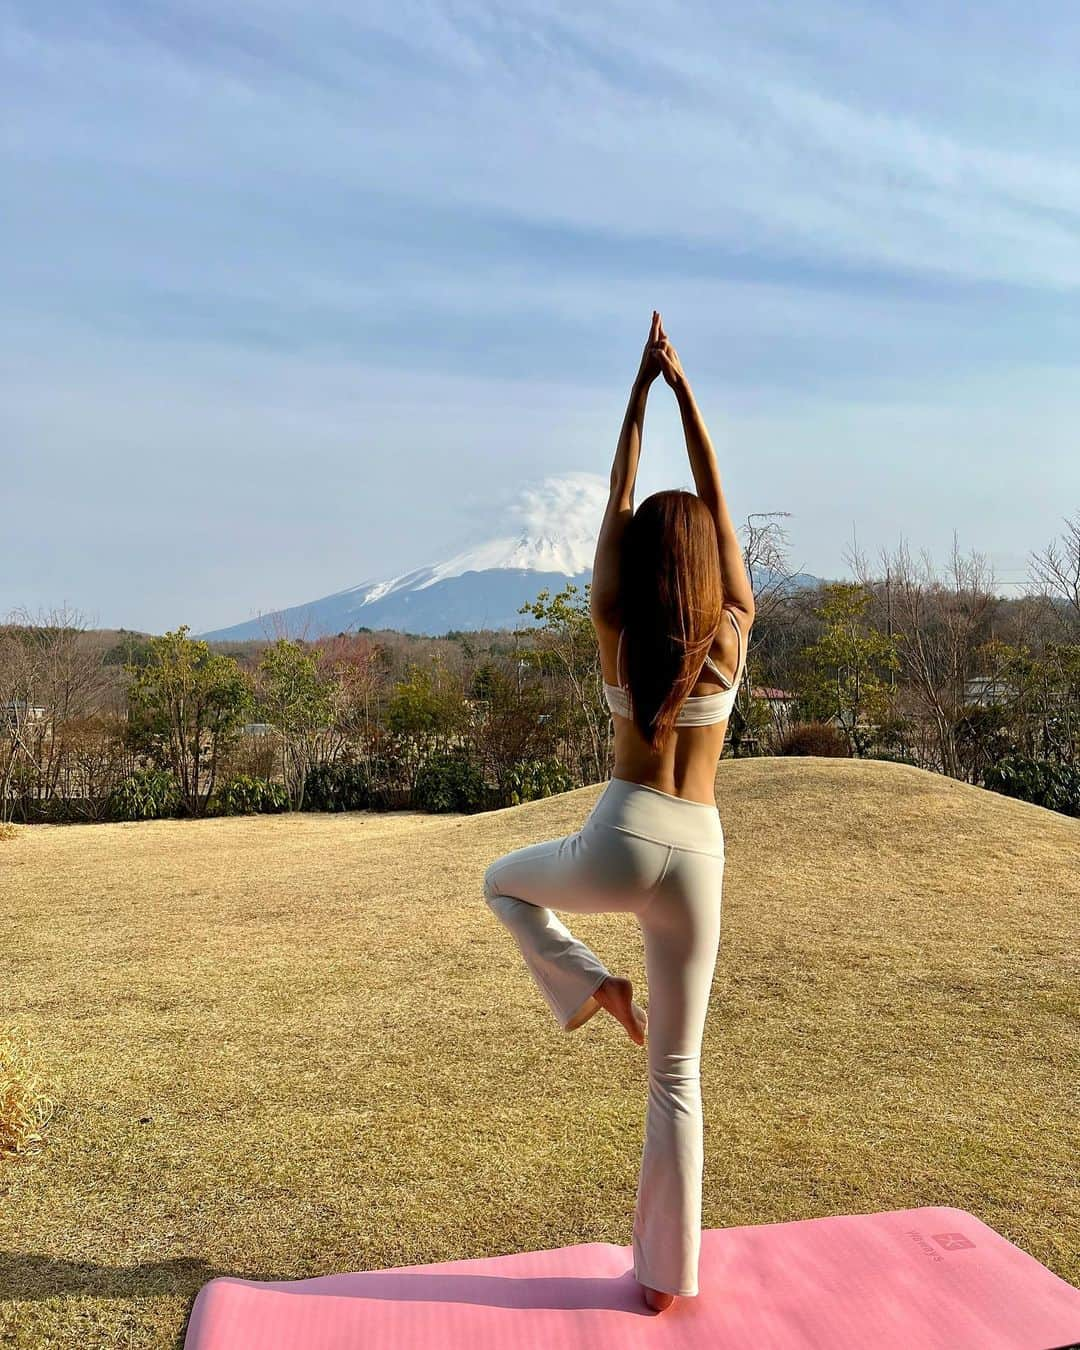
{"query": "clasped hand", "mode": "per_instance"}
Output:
(660, 357)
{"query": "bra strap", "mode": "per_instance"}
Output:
(618, 661)
(738, 660)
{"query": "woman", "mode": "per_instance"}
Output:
(672, 608)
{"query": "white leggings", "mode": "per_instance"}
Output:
(661, 858)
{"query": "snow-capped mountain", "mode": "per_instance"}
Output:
(551, 539)
(555, 524)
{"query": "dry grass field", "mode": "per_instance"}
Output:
(285, 1046)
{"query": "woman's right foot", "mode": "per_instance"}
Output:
(616, 996)
(657, 1299)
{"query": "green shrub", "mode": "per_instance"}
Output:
(896, 757)
(529, 779)
(814, 738)
(246, 795)
(894, 741)
(449, 781)
(1055, 786)
(147, 794)
(339, 787)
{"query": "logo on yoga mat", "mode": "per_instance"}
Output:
(952, 1242)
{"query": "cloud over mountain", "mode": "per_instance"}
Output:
(554, 523)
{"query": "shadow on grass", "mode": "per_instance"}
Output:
(27, 1277)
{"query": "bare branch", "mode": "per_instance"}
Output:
(1057, 568)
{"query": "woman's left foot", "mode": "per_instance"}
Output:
(657, 1299)
(616, 996)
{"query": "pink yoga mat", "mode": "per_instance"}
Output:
(909, 1279)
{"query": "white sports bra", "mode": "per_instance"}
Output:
(698, 710)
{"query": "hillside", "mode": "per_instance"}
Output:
(291, 1045)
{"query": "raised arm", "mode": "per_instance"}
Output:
(604, 588)
(738, 593)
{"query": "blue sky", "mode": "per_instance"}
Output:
(302, 294)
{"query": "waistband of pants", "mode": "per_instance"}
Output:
(652, 814)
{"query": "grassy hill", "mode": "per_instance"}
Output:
(292, 1045)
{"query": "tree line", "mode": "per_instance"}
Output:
(908, 661)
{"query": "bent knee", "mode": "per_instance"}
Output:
(491, 891)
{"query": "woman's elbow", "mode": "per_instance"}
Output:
(743, 606)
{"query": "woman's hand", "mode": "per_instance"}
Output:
(667, 358)
(650, 364)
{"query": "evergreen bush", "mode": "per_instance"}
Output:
(529, 779)
(246, 795)
(147, 794)
(1041, 781)
(449, 781)
(338, 787)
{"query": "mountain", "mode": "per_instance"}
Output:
(480, 587)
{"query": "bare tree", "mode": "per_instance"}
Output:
(765, 554)
(938, 622)
(1057, 568)
(73, 683)
(19, 678)
(359, 669)
(51, 681)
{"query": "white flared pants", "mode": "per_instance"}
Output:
(660, 858)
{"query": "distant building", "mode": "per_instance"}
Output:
(18, 713)
(257, 728)
(781, 702)
(986, 690)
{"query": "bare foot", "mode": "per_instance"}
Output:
(616, 996)
(657, 1299)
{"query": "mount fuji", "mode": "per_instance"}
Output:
(481, 587)
(552, 539)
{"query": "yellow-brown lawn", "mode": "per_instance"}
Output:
(284, 1046)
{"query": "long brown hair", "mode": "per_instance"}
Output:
(670, 599)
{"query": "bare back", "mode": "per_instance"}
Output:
(686, 767)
